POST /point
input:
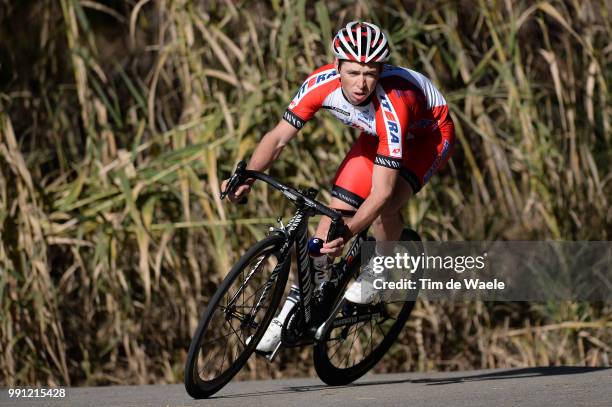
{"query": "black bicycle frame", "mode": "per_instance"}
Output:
(296, 232)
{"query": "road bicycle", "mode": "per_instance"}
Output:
(348, 339)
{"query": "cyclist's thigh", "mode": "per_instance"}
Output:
(425, 155)
(353, 180)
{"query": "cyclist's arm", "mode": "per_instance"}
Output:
(302, 108)
(383, 183)
(268, 150)
(271, 145)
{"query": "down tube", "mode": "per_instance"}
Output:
(303, 263)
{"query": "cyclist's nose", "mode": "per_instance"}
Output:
(363, 83)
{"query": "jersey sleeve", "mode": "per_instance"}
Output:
(391, 123)
(398, 104)
(310, 96)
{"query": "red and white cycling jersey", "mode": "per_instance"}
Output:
(404, 105)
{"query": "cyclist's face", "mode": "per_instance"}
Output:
(358, 79)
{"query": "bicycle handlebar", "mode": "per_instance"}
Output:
(241, 174)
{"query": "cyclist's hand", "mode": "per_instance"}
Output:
(241, 192)
(335, 247)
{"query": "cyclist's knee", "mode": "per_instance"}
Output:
(378, 222)
(387, 217)
(402, 194)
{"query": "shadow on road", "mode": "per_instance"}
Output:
(513, 374)
(497, 375)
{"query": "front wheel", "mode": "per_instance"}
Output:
(236, 317)
(347, 352)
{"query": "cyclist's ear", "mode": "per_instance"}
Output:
(337, 64)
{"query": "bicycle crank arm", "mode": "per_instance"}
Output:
(329, 321)
(269, 356)
(272, 355)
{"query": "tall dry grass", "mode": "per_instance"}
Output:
(110, 245)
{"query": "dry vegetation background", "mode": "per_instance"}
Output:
(110, 245)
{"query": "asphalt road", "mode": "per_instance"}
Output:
(550, 386)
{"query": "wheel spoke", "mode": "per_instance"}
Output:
(338, 347)
(223, 360)
(343, 341)
(348, 354)
(213, 354)
(237, 335)
(381, 330)
(236, 314)
(371, 341)
(251, 274)
(261, 287)
(218, 338)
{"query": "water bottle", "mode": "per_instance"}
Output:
(320, 261)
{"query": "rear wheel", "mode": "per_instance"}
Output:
(236, 317)
(347, 352)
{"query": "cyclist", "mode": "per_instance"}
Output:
(407, 134)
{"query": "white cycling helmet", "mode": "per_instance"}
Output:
(361, 42)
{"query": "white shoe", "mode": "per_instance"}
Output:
(271, 338)
(362, 291)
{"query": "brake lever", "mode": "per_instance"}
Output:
(234, 182)
(336, 229)
(231, 185)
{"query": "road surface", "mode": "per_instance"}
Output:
(549, 386)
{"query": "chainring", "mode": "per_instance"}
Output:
(293, 328)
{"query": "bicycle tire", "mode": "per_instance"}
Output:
(198, 387)
(334, 375)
